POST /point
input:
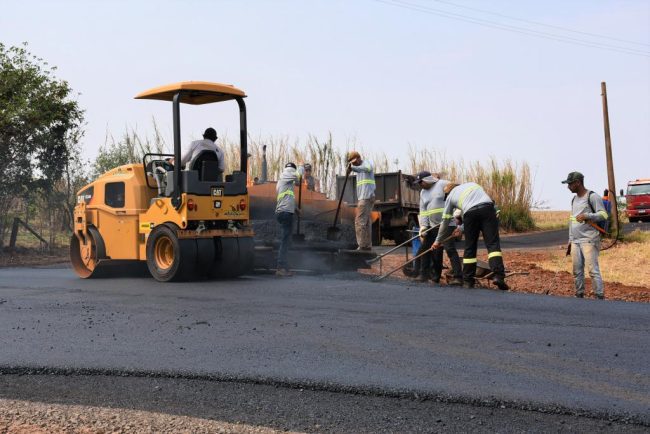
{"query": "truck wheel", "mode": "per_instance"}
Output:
(168, 258)
(413, 227)
(633, 219)
(375, 231)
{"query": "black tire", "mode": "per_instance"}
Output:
(206, 255)
(168, 258)
(226, 260)
(375, 233)
(235, 256)
(634, 219)
(246, 255)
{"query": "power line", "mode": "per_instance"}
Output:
(596, 35)
(515, 29)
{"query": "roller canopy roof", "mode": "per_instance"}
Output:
(194, 92)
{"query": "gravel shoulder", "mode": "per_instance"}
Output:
(98, 403)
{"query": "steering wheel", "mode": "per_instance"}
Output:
(159, 166)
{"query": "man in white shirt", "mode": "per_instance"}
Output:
(207, 144)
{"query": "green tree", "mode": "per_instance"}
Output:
(40, 121)
(130, 148)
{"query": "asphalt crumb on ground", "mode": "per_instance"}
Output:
(103, 404)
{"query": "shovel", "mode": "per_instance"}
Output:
(334, 233)
(298, 236)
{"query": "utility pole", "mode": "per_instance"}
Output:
(610, 163)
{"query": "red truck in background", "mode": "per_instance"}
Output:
(638, 200)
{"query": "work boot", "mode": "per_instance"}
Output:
(580, 295)
(500, 283)
(600, 296)
(283, 272)
(468, 285)
(455, 282)
(363, 249)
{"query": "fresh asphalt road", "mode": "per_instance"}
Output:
(337, 333)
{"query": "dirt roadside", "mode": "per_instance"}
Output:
(537, 280)
(27, 257)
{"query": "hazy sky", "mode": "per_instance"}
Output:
(385, 75)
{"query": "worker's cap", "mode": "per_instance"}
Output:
(307, 166)
(290, 165)
(210, 133)
(449, 187)
(352, 155)
(573, 176)
(421, 175)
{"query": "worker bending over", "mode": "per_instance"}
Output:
(432, 202)
(284, 210)
(365, 197)
(479, 216)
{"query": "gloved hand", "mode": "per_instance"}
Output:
(348, 169)
(422, 231)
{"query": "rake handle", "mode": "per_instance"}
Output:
(377, 279)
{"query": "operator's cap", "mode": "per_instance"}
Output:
(290, 165)
(307, 166)
(573, 176)
(421, 175)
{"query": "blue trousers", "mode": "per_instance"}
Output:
(286, 228)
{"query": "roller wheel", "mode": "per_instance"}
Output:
(206, 255)
(235, 256)
(168, 258)
(85, 257)
(246, 255)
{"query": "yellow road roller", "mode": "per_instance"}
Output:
(186, 223)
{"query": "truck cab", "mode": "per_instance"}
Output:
(637, 200)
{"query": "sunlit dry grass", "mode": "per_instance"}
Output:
(626, 262)
(547, 220)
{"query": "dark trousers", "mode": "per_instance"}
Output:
(286, 228)
(454, 259)
(482, 220)
(430, 264)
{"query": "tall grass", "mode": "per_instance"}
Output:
(508, 183)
